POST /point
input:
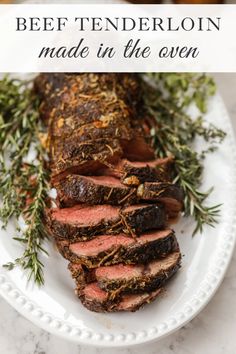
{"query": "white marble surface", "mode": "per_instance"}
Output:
(212, 331)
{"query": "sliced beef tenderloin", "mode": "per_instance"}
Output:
(123, 278)
(83, 222)
(76, 189)
(94, 121)
(114, 249)
(139, 277)
(167, 193)
(134, 302)
(97, 300)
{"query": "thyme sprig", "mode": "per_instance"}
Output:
(23, 185)
(174, 131)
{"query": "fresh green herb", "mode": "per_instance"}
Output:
(167, 98)
(186, 88)
(23, 185)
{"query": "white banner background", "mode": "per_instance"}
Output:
(19, 51)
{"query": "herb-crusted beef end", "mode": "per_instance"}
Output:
(114, 249)
(90, 150)
(85, 107)
(97, 300)
(80, 222)
(70, 156)
(97, 153)
(87, 115)
(71, 92)
(106, 127)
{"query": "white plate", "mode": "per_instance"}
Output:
(206, 257)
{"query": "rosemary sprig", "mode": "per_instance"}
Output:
(23, 185)
(174, 131)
